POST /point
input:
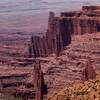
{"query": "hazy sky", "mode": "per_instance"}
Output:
(32, 5)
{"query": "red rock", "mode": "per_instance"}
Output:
(38, 81)
(61, 28)
(89, 71)
(39, 85)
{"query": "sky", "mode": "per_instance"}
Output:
(37, 5)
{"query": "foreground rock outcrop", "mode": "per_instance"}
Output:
(88, 90)
(89, 71)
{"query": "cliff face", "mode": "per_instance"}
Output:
(60, 29)
(52, 42)
(79, 25)
(85, 21)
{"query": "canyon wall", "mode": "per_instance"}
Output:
(52, 43)
(60, 30)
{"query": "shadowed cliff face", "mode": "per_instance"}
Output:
(66, 29)
(79, 25)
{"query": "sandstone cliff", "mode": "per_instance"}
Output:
(61, 29)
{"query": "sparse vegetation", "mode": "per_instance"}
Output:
(89, 90)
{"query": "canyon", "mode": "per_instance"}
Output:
(67, 53)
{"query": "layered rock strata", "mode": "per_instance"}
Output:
(69, 66)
